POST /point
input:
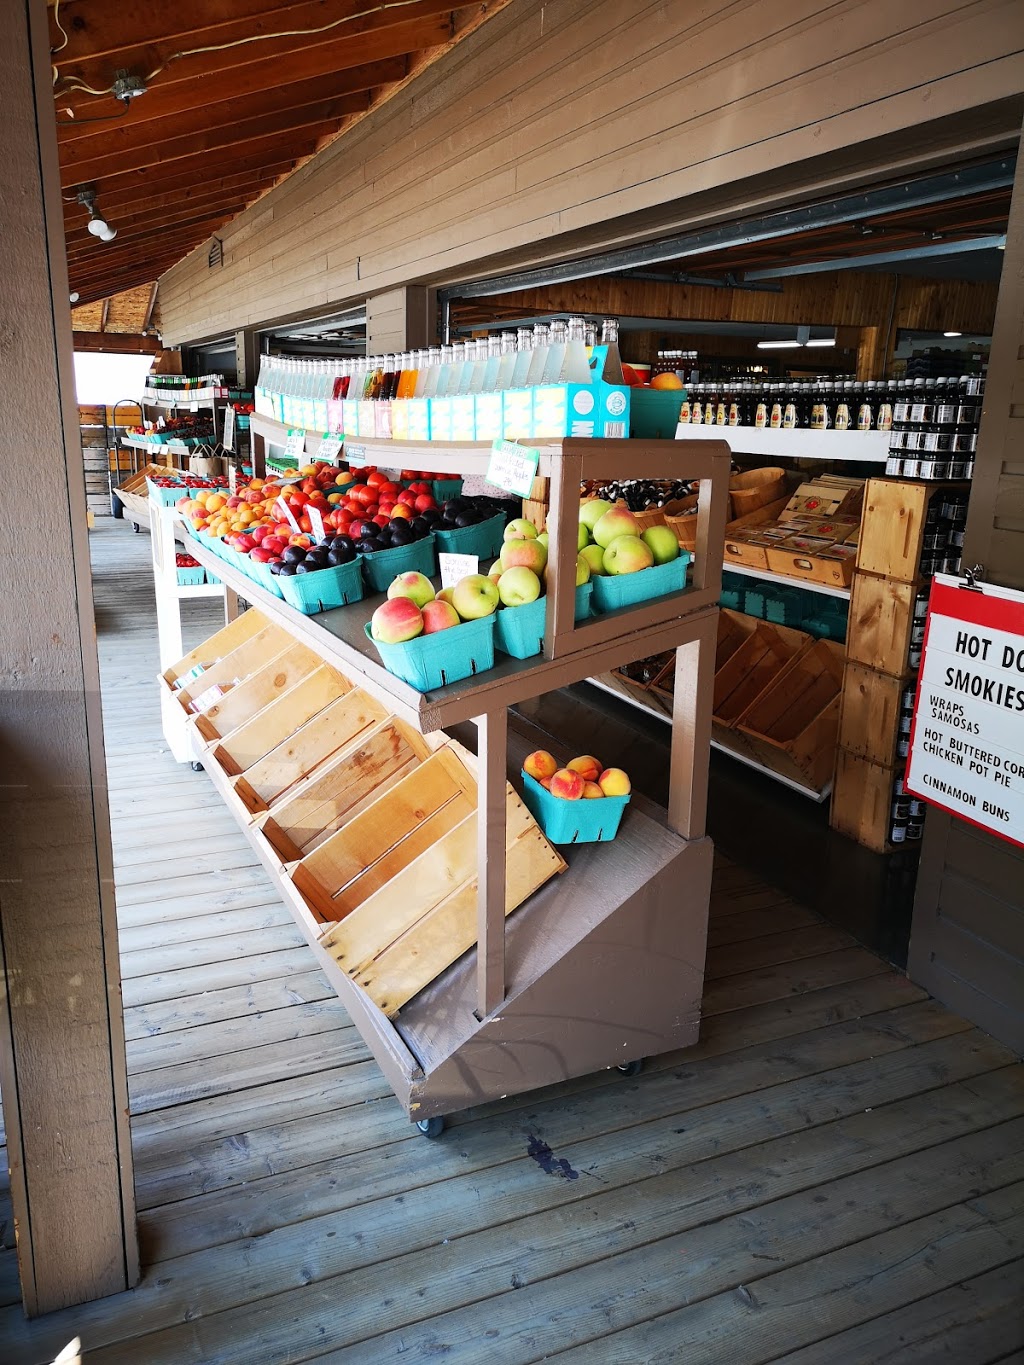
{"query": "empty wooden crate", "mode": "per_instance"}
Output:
(752, 666)
(793, 724)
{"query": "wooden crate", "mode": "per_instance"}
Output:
(892, 529)
(756, 488)
(270, 680)
(862, 798)
(273, 725)
(408, 907)
(870, 713)
(217, 647)
(752, 666)
(880, 623)
(812, 568)
(535, 507)
(742, 551)
(793, 724)
(734, 627)
(236, 666)
(311, 808)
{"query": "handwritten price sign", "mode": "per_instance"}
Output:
(513, 467)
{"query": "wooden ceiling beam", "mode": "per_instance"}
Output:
(150, 243)
(97, 29)
(142, 232)
(192, 108)
(244, 188)
(302, 57)
(188, 176)
(299, 123)
(176, 245)
(154, 290)
(134, 272)
(119, 343)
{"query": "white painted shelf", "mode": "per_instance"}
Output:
(799, 444)
(769, 576)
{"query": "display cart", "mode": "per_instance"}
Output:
(602, 965)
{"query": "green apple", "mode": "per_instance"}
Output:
(583, 536)
(593, 555)
(627, 554)
(592, 511)
(542, 539)
(582, 571)
(518, 586)
(416, 586)
(620, 521)
(495, 571)
(663, 544)
(520, 529)
(475, 596)
(526, 554)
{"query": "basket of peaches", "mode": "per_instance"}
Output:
(581, 803)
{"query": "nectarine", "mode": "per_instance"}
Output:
(567, 784)
(614, 782)
(588, 767)
(540, 764)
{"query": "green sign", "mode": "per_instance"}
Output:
(513, 467)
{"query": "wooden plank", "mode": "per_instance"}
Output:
(172, 985)
(979, 1319)
(240, 663)
(226, 639)
(892, 528)
(757, 923)
(750, 988)
(869, 722)
(161, 958)
(248, 920)
(880, 622)
(862, 801)
(231, 1002)
(769, 950)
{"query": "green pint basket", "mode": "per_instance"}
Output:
(628, 589)
(573, 822)
(520, 630)
(483, 540)
(446, 656)
(381, 568)
(323, 590)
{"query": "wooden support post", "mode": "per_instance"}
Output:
(62, 1062)
(562, 526)
(492, 733)
(247, 358)
(691, 732)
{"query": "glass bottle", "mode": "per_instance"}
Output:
(555, 360)
(576, 369)
(506, 360)
(524, 358)
(844, 400)
(539, 358)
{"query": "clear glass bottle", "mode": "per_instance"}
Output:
(555, 361)
(506, 360)
(524, 358)
(539, 357)
(576, 369)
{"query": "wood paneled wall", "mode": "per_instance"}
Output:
(570, 123)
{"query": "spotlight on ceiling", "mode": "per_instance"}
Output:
(97, 224)
(73, 298)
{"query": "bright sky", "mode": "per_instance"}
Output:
(109, 378)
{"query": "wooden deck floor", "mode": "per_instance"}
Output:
(835, 1174)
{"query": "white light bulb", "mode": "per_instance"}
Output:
(97, 227)
(108, 234)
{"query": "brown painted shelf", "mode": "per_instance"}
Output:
(598, 966)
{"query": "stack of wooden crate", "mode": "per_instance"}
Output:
(99, 450)
(886, 629)
(370, 826)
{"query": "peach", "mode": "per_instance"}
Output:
(567, 784)
(545, 782)
(438, 616)
(524, 554)
(589, 767)
(396, 620)
(540, 764)
(618, 522)
(614, 782)
(592, 792)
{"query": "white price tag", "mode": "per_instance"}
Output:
(229, 428)
(355, 454)
(513, 467)
(329, 447)
(295, 446)
(316, 520)
(454, 567)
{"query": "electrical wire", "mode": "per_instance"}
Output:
(72, 83)
(63, 30)
(103, 118)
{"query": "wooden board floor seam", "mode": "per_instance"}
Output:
(832, 1175)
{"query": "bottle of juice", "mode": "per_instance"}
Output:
(539, 358)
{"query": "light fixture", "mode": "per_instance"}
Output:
(97, 224)
(821, 341)
(779, 345)
(127, 86)
(803, 338)
(952, 334)
(73, 298)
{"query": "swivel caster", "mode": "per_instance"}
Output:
(632, 1068)
(432, 1127)
(135, 527)
(196, 766)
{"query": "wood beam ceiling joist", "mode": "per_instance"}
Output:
(182, 240)
(160, 115)
(119, 343)
(261, 65)
(192, 174)
(322, 115)
(144, 226)
(156, 206)
(126, 277)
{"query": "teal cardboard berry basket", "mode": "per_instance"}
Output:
(260, 573)
(483, 540)
(381, 568)
(323, 590)
(573, 822)
(520, 630)
(446, 656)
(627, 589)
(191, 578)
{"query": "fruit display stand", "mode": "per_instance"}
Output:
(602, 963)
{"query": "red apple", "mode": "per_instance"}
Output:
(396, 620)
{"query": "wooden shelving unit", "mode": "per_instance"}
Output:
(800, 444)
(600, 965)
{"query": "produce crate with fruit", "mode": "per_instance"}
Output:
(581, 803)
(190, 572)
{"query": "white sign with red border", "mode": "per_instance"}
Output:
(967, 739)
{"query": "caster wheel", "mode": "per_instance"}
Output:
(135, 527)
(432, 1127)
(196, 766)
(631, 1068)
